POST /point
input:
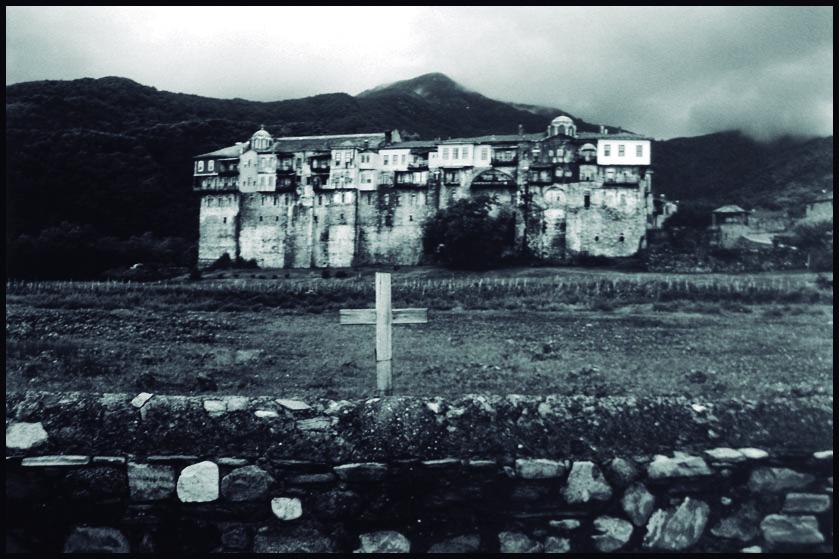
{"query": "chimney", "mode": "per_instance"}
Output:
(602, 129)
(240, 145)
(521, 130)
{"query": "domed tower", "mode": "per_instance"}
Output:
(261, 139)
(562, 125)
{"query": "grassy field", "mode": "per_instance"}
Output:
(530, 331)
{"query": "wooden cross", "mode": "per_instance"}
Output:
(383, 317)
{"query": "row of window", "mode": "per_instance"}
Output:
(607, 150)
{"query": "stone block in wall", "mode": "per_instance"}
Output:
(148, 482)
(812, 503)
(88, 539)
(518, 542)
(248, 483)
(538, 468)
(741, 525)
(385, 541)
(286, 508)
(681, 465)
(554, 544)
(199, 483)
(787, 529)
(586, 483)
(775, 480)
(638, 503)
(621, 472)
(611, 533)
(678, 528)
(21, 435)
(361, 472)
(270, 539)
(307, 479)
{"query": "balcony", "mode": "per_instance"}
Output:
(228, 170)
(418, 166)
(494, 179)
(214, 185)
(504, 162)
(320, 169)
(621, 181)
(285, 171)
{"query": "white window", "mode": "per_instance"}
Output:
(484, 153)
(621, 150)
(403, 159)
(385, 160)
(200, 166)
(607, 150)
(445, 154)
(455, 153)
(639, 152)
(465, 153)
(210, 165)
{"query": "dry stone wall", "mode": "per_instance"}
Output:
(140, 473)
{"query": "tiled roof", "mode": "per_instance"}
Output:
(414, 144)
(324, 143)
(729, 209)
(618, 136)
(232, 151)
(496, 138)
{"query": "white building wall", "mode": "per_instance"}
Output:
(629, 156)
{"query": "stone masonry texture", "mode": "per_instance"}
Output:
(390, 476)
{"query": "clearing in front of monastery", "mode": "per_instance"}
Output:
(538, 331)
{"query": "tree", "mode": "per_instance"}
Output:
(466, 235)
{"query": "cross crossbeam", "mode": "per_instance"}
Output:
(383, 316)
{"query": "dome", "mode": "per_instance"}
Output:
(261, 133)
(562, 120)
(586, 147)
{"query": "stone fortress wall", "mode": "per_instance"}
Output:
(345, 200)
(119, 472)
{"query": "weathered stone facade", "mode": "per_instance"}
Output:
(345, 200)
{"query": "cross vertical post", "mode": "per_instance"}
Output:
(384, 349)
(384, 317)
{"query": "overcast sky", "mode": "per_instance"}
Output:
(662, 71)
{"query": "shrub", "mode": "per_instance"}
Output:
(465, 235)
(223, 262)
(242, 263)
(341, 274)
(325, 273)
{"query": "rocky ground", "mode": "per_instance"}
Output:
(760, 350)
